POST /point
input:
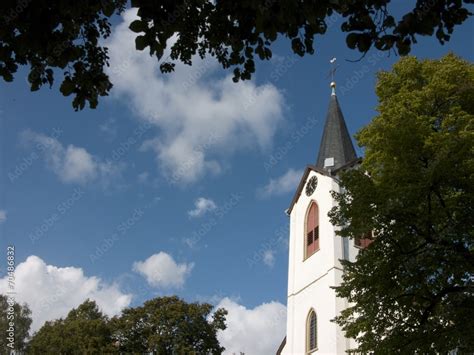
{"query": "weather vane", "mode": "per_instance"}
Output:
(332, 74)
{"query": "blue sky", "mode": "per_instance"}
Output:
(126, 177)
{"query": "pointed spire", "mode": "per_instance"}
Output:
(336, 147)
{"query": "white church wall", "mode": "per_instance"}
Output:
(305, 271)
(310, 280)
(317, 298)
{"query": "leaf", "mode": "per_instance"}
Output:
(140, 43)
(67, 87)
(389, 21)
(49, 76)
(351, 40)
(138, 26)
(167, 67)
(108, 9)
(268, 53)
(297, 46)
(404, 46)
(364, 42)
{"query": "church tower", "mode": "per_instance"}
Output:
(314, 248)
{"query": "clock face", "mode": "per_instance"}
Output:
(311, 185)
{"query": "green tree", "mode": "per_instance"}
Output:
(85, 330)
(412, 289)
(67, 36)
(168, 325)
(20, 316)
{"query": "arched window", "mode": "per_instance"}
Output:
(311, 332)
(312, 230)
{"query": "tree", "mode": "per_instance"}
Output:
(168, 325)
(85, 330)
(412, 290)
(49, 35)
(20, 316)
(165, 325)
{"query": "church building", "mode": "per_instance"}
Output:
(315, 250)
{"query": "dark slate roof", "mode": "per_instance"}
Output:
(281, 347)
(336, 141)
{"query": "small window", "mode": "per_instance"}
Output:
(364, 240)
(312, 230)
(312, 332)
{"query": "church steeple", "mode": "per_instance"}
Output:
(336, 147)
(316, 249)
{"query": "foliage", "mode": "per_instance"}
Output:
(166, 325)
(85, 330)
(169, 325)
(22, 322)
(412, 289)
(66, 36)
(48, 35)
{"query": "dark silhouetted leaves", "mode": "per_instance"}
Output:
(53, 34)
(141, 43)
(138, 26)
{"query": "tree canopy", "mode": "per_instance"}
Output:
(54, 36)
(21, 319)
(412, 290)
(85, 330)
(169, 325)
(166, 325)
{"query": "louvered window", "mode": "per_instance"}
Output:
(312, 230)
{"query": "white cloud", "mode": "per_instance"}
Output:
(51, 291)
(71, 164)
(257, 331)
(3, 216)
(269, 257)
(201, 117)
(286, 183)
(201, 206)
(160, 270)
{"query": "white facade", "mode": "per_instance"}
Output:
(310, 279)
